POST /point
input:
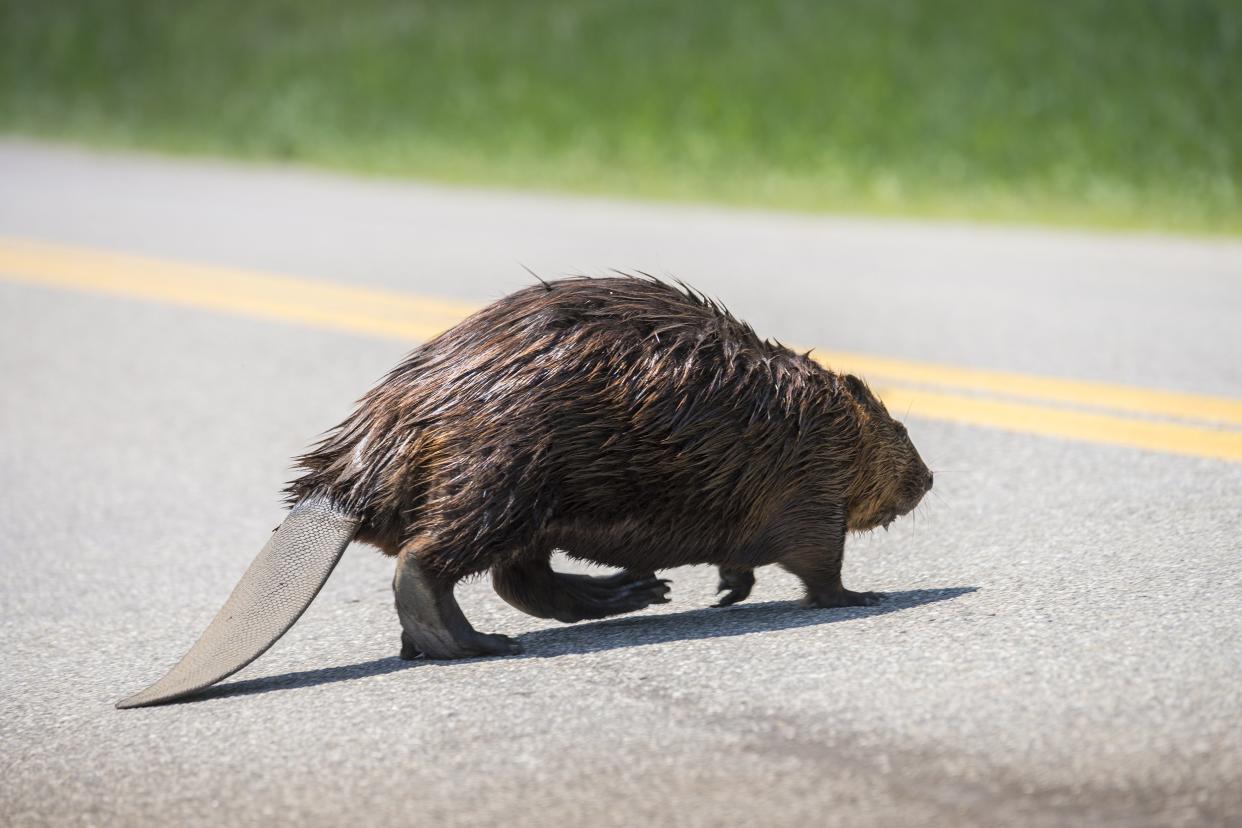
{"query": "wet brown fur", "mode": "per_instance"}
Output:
(624, 421)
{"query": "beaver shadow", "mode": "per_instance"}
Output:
(615, 633)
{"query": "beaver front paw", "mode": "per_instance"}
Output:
(736, 584)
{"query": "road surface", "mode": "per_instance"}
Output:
(1061, 640)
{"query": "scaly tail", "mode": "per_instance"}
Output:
(271, 596)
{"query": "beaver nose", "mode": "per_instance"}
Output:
(929, 480)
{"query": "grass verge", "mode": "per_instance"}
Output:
(1092, 112)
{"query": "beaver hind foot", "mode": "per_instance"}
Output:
(842, 598)
(473, 644)
(535, 588)
(432, 624)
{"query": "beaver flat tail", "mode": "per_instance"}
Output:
(277, 588)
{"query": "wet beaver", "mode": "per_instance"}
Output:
(622, 420)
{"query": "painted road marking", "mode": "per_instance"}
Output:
(1049, 421)
(1115, 414)
(1100, 395)
(246, 292)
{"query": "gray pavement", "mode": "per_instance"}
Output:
(1061, 644)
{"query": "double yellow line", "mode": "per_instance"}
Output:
(1097, 412)
(1163, 421)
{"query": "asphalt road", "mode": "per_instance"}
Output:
(1061, 643)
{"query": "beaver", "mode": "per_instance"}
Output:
(624, 420)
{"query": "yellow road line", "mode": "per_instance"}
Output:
(409, 317)
(1050, 389)
(1154, 435)
(250, 293)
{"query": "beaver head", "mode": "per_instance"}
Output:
(890, 477)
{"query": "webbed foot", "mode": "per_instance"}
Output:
(474, 646)
(537, 589)
(842, 598)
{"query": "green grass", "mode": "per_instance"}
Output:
(1125, 113)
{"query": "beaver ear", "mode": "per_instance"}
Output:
(863, 395)
(857, 387)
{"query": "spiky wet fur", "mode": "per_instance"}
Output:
(622, 420)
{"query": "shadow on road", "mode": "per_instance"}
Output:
(615, 633)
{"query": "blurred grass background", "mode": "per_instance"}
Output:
(1125, 114)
